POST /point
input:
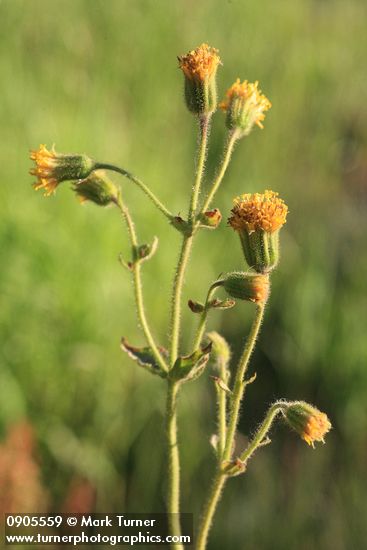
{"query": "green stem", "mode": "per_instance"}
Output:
(173, 499)
(173, 504)
(139, 183)
(187, 245)
(238, 390)
(222, 412)
(204, 316)
(239, 383)
(176, 297)
(261, 433)
(209, 510)
(232, 138)
(138, 291)
(204, 132)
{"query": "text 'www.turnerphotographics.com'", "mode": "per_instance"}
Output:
(95, 529)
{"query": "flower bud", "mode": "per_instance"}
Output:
(245, 106)
(221, 352)
(252, 287)
(196, 307)
(307, 421)
(210, 219)
(97, 188)
(258, 218)
(53, 168)
(199, 67)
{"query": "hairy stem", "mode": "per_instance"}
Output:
(187, 245)
(171, 415)
(239, 383)
(173, 493)
(138, 290)
(204, 132)
(232, 138)
(222, 412)
(220, 478)
(263, 430)
(203, 317)
(139, 183)
(209, 510)
(176, 297)
(238, 391)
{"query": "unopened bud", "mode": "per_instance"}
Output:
(97, 188)
(199, 67)
(253, 287)
(221, 352)
(211, 219)
(258, 218)
(52, 168)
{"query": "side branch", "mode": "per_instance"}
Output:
(140, 184)
(232, 138)
(138, 290)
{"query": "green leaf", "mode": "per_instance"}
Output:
(191, 366)
(146, 251)
(196, 307)
(144, 357)
(221, 304)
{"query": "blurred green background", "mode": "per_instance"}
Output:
(101, 77)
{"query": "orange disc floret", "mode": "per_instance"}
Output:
(316, 428)
(247, 102)
(258, 211)
(201, 63)
(46, 162)
(260, 288)
(310, 423)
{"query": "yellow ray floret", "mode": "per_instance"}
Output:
(46, 162)
(251, 98)
(201, 63)
(258, 211)
(316, 428)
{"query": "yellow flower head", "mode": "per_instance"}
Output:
(245, 106)
(258, 211)
(311, 424)
(46, 162)
(53, 168)
(201, 63)
(316, 428)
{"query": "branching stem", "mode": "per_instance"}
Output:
(138, 290)
(239, 382)
(237, 395)
(139, 183)
(187, 244)
(204, 316)
(231, 140)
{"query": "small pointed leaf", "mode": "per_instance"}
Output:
(182, 225)
(146, 251)
(144, 357)
(221, 384)
(196, 307)
(191, 366)
(221, 304)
